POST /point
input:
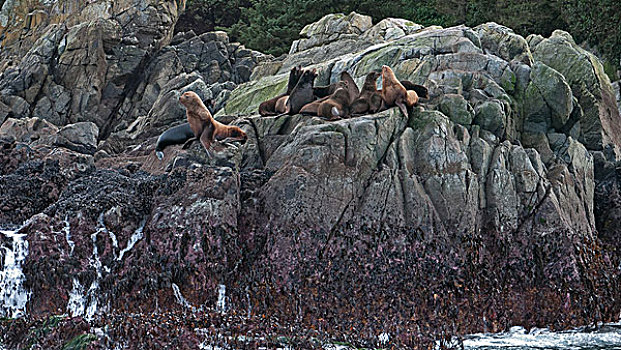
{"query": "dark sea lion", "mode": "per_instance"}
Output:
(302, 94)
(370, 99)
(268, 107)
(420, 90)
(204, 127)
(177, 135)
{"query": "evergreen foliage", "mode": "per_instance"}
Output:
(271, 25)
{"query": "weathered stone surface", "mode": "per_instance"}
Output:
(599, 124)
(331, 28)
(503, 42)
(457, 109)
(391, 29)
(85, 66)
(491, 116)
(32, 130)
(80, 137)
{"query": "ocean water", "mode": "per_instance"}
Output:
(607, 336)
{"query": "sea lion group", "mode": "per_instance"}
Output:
(336, 101)
(343, 98)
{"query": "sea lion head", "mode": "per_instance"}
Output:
(373, 75)
(237, 132)
(388, 74)
(191, 101)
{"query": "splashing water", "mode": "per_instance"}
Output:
(67, 231)
(517, 338)
(81, 304)
(13, 296)
(133, 239)
(221, 303)
(77, 301)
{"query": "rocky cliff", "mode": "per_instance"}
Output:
(493, 204)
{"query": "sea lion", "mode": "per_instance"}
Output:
(177, 135)
(337, 106)
(281, 105)
(325, 91)
(313, 107)
(370, 99)
(269, 107)
(420, 90)
(204, 127)
(394, 93)
(302, 94)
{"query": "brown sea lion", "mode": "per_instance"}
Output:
(337, 106)
(394, 93)
(177, 135)
(268, 107)
(302, 94)
(281, 105)
(370, 99)
(204, 127)
(325, 91)
(313, 107)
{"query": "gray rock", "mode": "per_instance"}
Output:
(33, 131)
(331, 28)
(585, 75)
(80, 137)
(457, 108)
(491, 116)
(503, 42)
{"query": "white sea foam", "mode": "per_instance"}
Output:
(221, 303)
(13, 295)
(135, 237)
(607, 337)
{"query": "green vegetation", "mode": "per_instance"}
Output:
(39, 333)
(80, 342)
(271, 25)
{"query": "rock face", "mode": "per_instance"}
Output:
(107, 62)
(492, 204)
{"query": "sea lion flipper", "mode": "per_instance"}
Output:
(188, 143)
(403, 108)
(206, 138)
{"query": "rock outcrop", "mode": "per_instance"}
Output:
(492, 204)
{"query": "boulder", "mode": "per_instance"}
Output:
(585, 75)
(80, 137)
